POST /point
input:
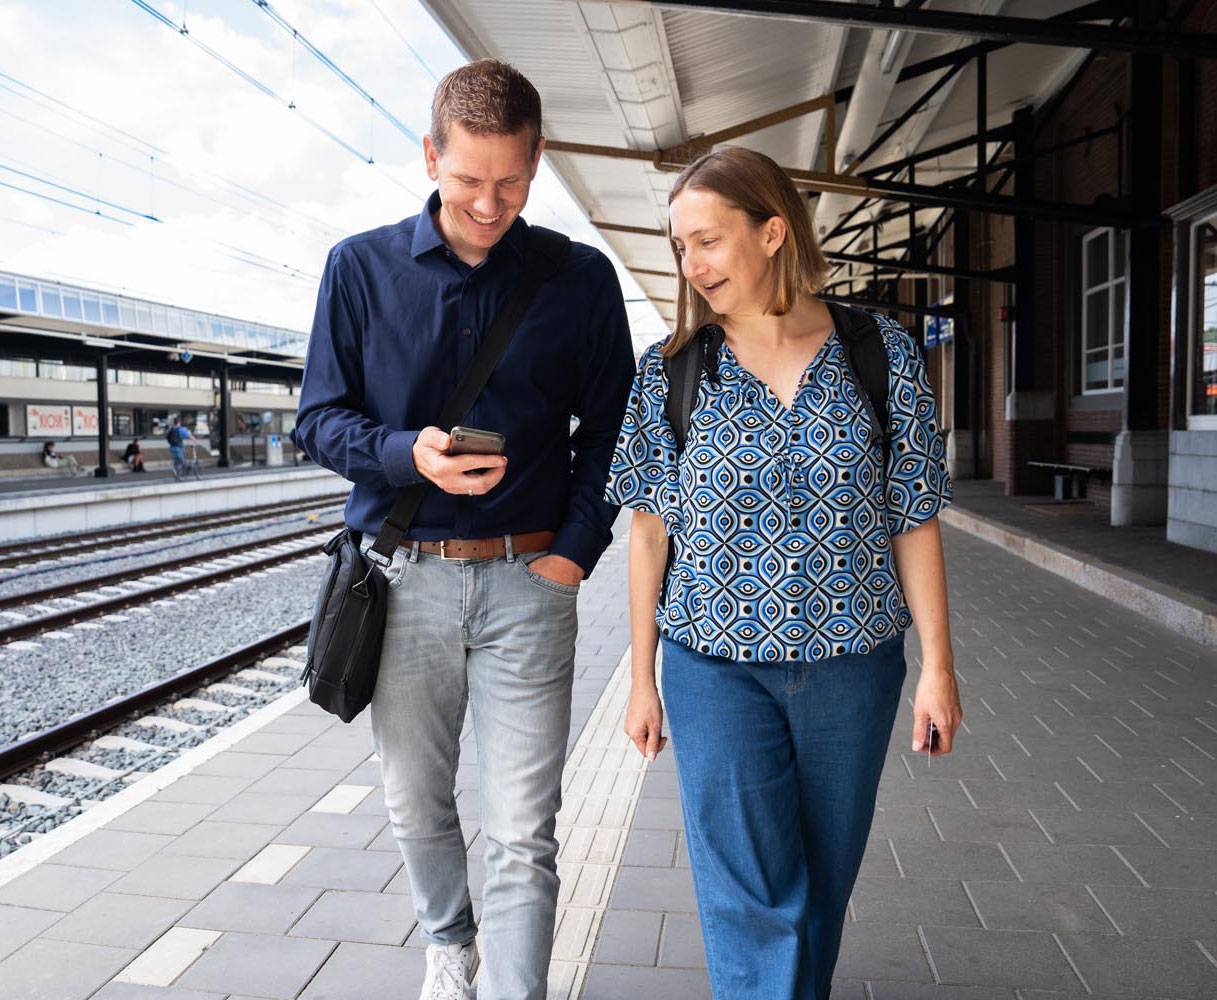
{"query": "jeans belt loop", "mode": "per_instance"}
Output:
(414, 552)
(508, 550)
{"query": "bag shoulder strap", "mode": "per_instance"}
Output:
(545, 254)
(684, 370)
(867, 363)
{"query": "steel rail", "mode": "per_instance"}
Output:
(88, 541)
(27, 750)
(33, 626)
(152, 569)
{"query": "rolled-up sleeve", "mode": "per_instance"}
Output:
(643, 474)
(608, 364)
(918, 484)
(331, 424)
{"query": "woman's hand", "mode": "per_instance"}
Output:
(937, 701)
(644, 720)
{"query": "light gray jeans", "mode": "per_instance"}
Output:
(496, 637)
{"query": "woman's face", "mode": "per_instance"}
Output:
(723, 255)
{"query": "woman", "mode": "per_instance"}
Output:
(53, 459)
(784, 610)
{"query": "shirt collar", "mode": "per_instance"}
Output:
(427, 237)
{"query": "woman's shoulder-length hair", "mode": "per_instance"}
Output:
(757, 186)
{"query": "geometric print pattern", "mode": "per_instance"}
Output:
(781, 520)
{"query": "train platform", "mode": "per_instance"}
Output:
(40, 508)
(1067, 849)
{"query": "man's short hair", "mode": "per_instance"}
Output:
(486, 97)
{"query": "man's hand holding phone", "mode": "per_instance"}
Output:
(462, 475)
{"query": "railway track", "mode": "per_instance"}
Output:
(251, 676)
(16, 553)
(146, 583)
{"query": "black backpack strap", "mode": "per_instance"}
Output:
(546, 252)
(867, 364)
(684, 370)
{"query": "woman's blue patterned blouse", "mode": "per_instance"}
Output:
(779, 518)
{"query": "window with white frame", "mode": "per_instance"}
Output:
(1104, 265)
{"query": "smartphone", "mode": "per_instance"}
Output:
(471, 441)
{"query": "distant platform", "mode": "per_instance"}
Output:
(40, 507)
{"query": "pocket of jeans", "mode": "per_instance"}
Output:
(562, 589)
(396, 570)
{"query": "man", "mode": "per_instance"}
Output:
(177, 437)
(483, 606)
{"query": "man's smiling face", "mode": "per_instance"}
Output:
(483, 183)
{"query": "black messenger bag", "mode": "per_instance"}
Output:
(348, 626)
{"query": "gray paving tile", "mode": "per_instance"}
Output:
(116, 850)
(56, 887)
(998, 958)
(400, 882)
(1174, 868)
(878, 860)
(924, 859)
(235, 764)
(1037, 907)
(257, 964)
(336, 868)
(254, 807)
(957, 764)
(59, 970)
(1095, 827)
(332, 830)
(1192, 832)
(1075, 863)
(368, 917)
(912, 901)
(176, 876)
(1159, 912)
(367, 773)
(284, 744)
(211, 839)
(657, 814)
(993, 793)
(383, 841)
(877, 951)
(294, 781)
(628, 937)
(903, 822)
(206, 788)
(880, 990)
(311, 725)
(988, 826)
(119, 920)
(668, 890)
(650, 848)
(612, 982)
(171, 818)
(251, 908)
(19, 924)
(680, 945)
(133, 991)
(1169, 967)
(340, 757)
(364, 971)
(1132, 796)
(898, 789)
(660, 785)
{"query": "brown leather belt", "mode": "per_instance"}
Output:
(484, 548)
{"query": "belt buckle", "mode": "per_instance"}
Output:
(443, 550)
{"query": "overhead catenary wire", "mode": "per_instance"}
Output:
(66, 204)
(265, 89)
(405, 41)
(331, 231)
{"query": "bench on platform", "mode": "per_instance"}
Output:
(1069, 480)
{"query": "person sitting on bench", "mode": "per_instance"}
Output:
(53, 460)
(134, 456)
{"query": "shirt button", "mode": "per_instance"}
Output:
(468, 332)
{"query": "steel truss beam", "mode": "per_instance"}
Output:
(987, 27)
(905, 307)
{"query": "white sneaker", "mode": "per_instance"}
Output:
(450, 972)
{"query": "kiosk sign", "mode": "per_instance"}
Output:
(47, 421)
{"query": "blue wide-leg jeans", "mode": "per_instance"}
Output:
(778, 766)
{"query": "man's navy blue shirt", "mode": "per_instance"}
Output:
(400, 317)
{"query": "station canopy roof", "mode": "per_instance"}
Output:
(79, 318)
(632, 90)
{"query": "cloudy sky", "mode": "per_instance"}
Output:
(132, 160)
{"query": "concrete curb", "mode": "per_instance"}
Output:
(1175, 609)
